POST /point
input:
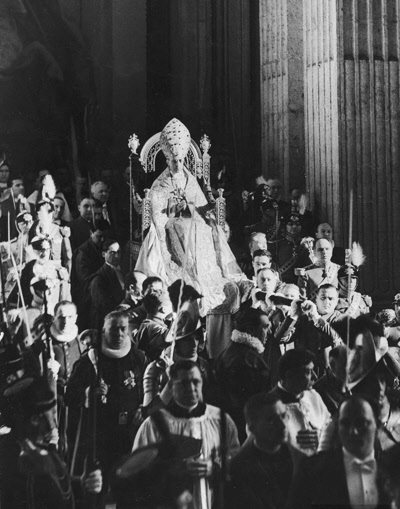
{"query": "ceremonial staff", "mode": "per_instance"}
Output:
(349, 284)
(133, 144)
(91, 461)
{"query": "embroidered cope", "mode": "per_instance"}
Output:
(174, 233)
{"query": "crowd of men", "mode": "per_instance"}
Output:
(110, 390)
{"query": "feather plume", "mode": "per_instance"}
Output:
(302, 203)
(357, 255)
(222, 172)
(3, 158)
(48, 187)
(260, 180)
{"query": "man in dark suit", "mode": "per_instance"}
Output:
(107, 285)
(262, 471)
(345, 477)
(87, 260)
(12, 202)
(83, 225)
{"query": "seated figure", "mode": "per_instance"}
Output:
(183, 239)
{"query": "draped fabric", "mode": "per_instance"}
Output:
(210, 262)
(207, 428)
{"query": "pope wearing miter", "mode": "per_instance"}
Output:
(183, 240)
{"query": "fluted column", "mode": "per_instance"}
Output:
(321, 109)
(282, 90)
(370, 127)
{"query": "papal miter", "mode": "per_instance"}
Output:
(175, 139)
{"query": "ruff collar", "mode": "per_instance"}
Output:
(63, 338)
(244, 338)
(116, 354)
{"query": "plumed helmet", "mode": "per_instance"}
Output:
(175, 139)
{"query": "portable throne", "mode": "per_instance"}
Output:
(197, 162)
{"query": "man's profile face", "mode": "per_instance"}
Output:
(97, 238)
(273, 188)
(17, 187)
(270, 429)
(116, 332)
(261, 262)
(136, 289)
(43, 253)
(187, 387)
(59, 206)
(299, 379)
(101, 192)
(357, 428)
(65, 318)
(324, 231)
(326, 301)
(113, 254)
(264, 328)
(323, 251)
(85, 209)
(155, 288)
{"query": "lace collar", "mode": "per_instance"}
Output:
(244, 338)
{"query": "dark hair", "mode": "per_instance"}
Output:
(64, 303)
(107, 243)
(101, 225)
(360, 398)
(149, 281)
(188, 293)
(294, 359)
(255, 405)
(249, 321)
(85, 196)
(37, 243)
(152, 303)
(274, 272)
(114, 315)
(326, 286)
(16, 175)
(183, 365)
(262, 252)
(130, 278)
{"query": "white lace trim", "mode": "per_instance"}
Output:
(246, 339)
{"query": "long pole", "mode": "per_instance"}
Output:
(130, 215)
(351, 205)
